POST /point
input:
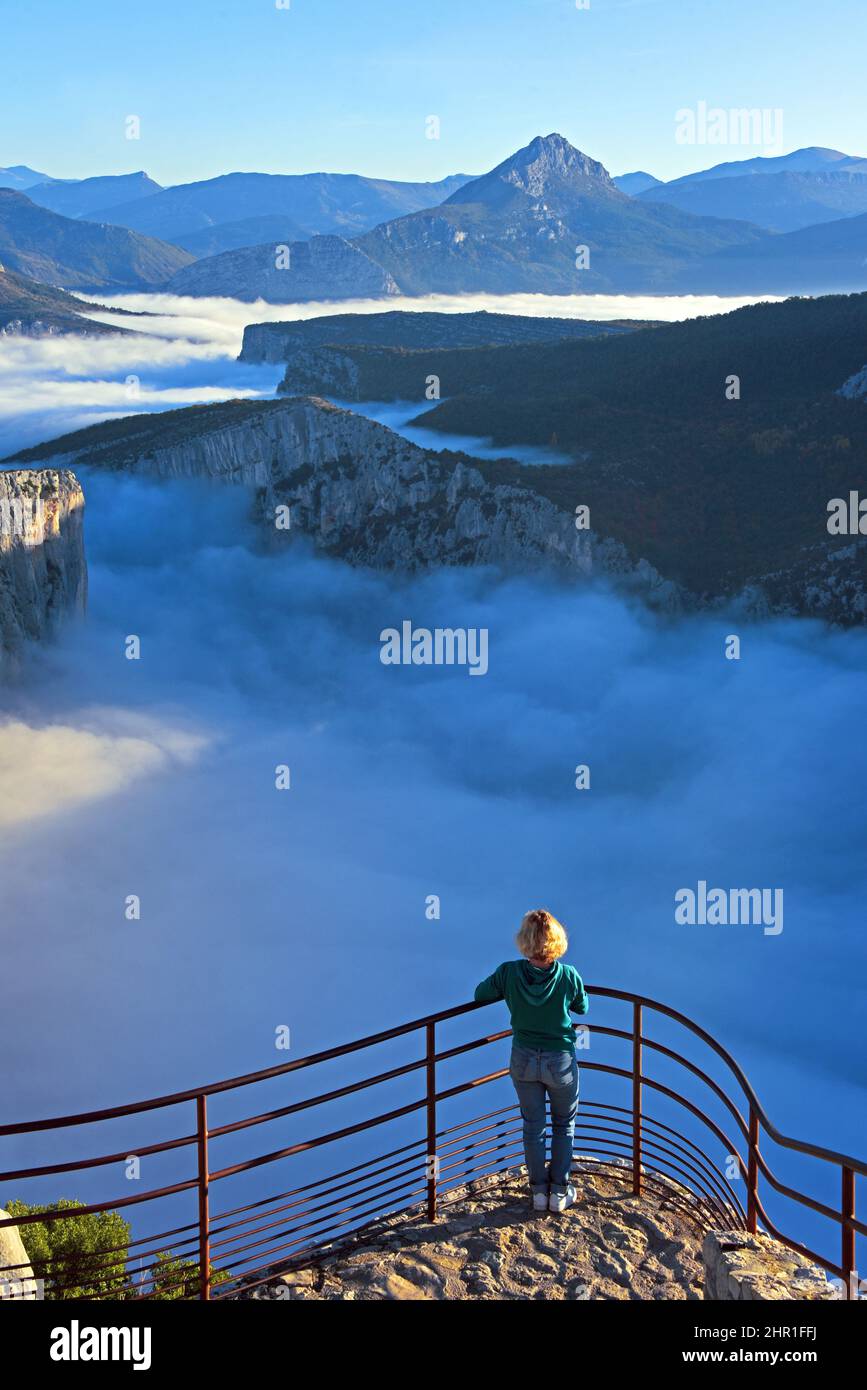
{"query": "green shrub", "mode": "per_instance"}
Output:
(86, 1257)
(79, 1256)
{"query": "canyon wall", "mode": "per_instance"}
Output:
(43, 572)
(361, 491)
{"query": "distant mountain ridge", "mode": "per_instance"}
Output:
(548, 219)
(636, 182)
(84, 197)
(783, 202)
(781, 193)
(20, 177)
(829, 258)
(313, 204)
(325, 267)
(813, 159)
(80, 255)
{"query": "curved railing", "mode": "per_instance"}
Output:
(240, 1244)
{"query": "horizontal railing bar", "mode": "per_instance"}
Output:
(323, 1206)
(705, 1168)
(319, 1182)
(350, 1089)
(647, 1120)
(801, 1146)
(311, 1211)
(814, 1150)
(708, 1081)
(102, 1161)
(460, 1140)
(306, 1144)
(93, 1207)
(443, 1133)
(700, 1196)
(215, 1088)
(381, 1207)
(622, 1168)
(831, 1213)
(463, 1144)
(297, 1106)
(496, 1143)
(357, 1128)
(50, 1262)
(656, 1179)
(328, 1184)
(801, 1249)
(673, 1095)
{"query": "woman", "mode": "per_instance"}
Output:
(540, 992)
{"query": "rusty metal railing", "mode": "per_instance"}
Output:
(236, 1247)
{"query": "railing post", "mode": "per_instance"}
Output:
(753, 1173)
(847, 1207)
(636, 1098)
(204, 1216)
(432, 1162)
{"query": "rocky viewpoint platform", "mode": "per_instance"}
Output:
(489, 1244)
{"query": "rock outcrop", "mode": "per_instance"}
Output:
(16, 1275)
(326, 267)
(43, 573)
(362, 492)
(743, 1268)
(488, 1245)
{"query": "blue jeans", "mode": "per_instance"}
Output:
(536, 1074)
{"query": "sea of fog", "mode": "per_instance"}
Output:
(306, 908)
(184, 352)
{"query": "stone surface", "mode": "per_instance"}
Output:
(16, 1275)
(43, 572)
(489, 1245)
(739, 1267)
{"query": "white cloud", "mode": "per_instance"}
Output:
(184, 352)
(49, 769)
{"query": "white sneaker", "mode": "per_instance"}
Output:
(540, 1201)
(561, 1200)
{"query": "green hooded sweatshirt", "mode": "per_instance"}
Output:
(539, 1002)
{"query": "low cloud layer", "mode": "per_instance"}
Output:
(305, 908)
(407, 782)
(184, 353)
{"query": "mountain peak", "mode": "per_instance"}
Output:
(546, 165)
(549, 157)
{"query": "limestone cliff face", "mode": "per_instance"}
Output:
(369, 495)
(361, 491)
(43, 573)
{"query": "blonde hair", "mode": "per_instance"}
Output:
(542, 937)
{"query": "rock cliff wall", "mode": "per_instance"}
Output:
(43, 573)
(361, 491)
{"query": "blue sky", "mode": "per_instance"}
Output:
(346, 85)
